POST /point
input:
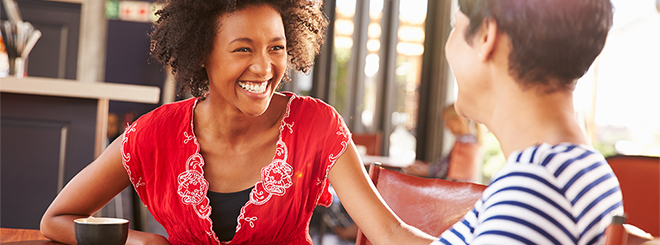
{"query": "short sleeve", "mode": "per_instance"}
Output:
(561, 194)
(332, 138)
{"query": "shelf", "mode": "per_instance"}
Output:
(76, 89)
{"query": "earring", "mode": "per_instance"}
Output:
(480, 55)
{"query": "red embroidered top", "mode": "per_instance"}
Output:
(161, 156)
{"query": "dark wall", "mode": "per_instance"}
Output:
(128, 62)
(45, 141)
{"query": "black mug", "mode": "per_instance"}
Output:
(101, 231)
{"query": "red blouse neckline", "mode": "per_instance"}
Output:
(282, 126)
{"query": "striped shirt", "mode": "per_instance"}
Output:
(562, 194)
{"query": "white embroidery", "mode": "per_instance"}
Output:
(333, 158)
(287, 112)
(342, 129)
(275, 177)
(343, 132)
(193, 187)
(126, 157)
(187, 137)
(290, 126)
(251, 220)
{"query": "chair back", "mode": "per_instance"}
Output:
(639, 178)
(619, 233)
(431, 205)
(372, 141)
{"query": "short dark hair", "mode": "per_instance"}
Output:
(554, 42)
(185, 31)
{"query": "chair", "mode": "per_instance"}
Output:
(432, 205)
(639, 177)
(372, 141)
(619, 233)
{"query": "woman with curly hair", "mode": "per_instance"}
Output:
(238, 163)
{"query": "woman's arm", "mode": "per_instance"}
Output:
(86, 193)
(366, 207)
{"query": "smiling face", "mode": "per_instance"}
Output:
(248, 59)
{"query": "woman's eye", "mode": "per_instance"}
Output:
(242, 50)
(278, 47)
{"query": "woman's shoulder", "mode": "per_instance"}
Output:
(170, 110)
(167, 117)
(313, 117)
(304, 105)
(545, 154)
(555, 163)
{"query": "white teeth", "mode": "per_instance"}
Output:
(251, 87)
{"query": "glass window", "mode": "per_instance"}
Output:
(342, 50)
(618, 98)
(377, 61)
(372, 66)
(409, 49)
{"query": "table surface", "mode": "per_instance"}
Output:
(10, 236)
(385, 161)
(23, 237)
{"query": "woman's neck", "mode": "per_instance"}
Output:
(528, 118)
(222, 120)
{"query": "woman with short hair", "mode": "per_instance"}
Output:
(516, 63)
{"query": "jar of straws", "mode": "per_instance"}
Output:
(19, 38)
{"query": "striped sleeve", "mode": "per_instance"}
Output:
(563, 194)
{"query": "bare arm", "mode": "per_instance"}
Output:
(86, 193)
(366, 207)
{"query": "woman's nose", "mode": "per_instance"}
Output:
(261, 65)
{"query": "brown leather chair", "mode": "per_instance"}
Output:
(432, 205)
(619, 233)
(372, 141)
(639, 177)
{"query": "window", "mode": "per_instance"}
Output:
(376, 63)
(618, 98)
(409, 49)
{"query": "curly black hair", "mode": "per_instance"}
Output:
(184, 33)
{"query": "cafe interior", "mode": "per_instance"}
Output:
(85, 74)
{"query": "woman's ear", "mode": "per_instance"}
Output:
(487, 39)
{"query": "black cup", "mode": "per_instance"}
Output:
(101, 231)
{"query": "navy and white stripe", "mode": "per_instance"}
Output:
(562, 194)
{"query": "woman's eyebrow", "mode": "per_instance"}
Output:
(278, 38)
(248, 40)
(242, 39)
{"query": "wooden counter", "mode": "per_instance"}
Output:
(75, 89)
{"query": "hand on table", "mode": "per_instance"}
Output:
(419, 168)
